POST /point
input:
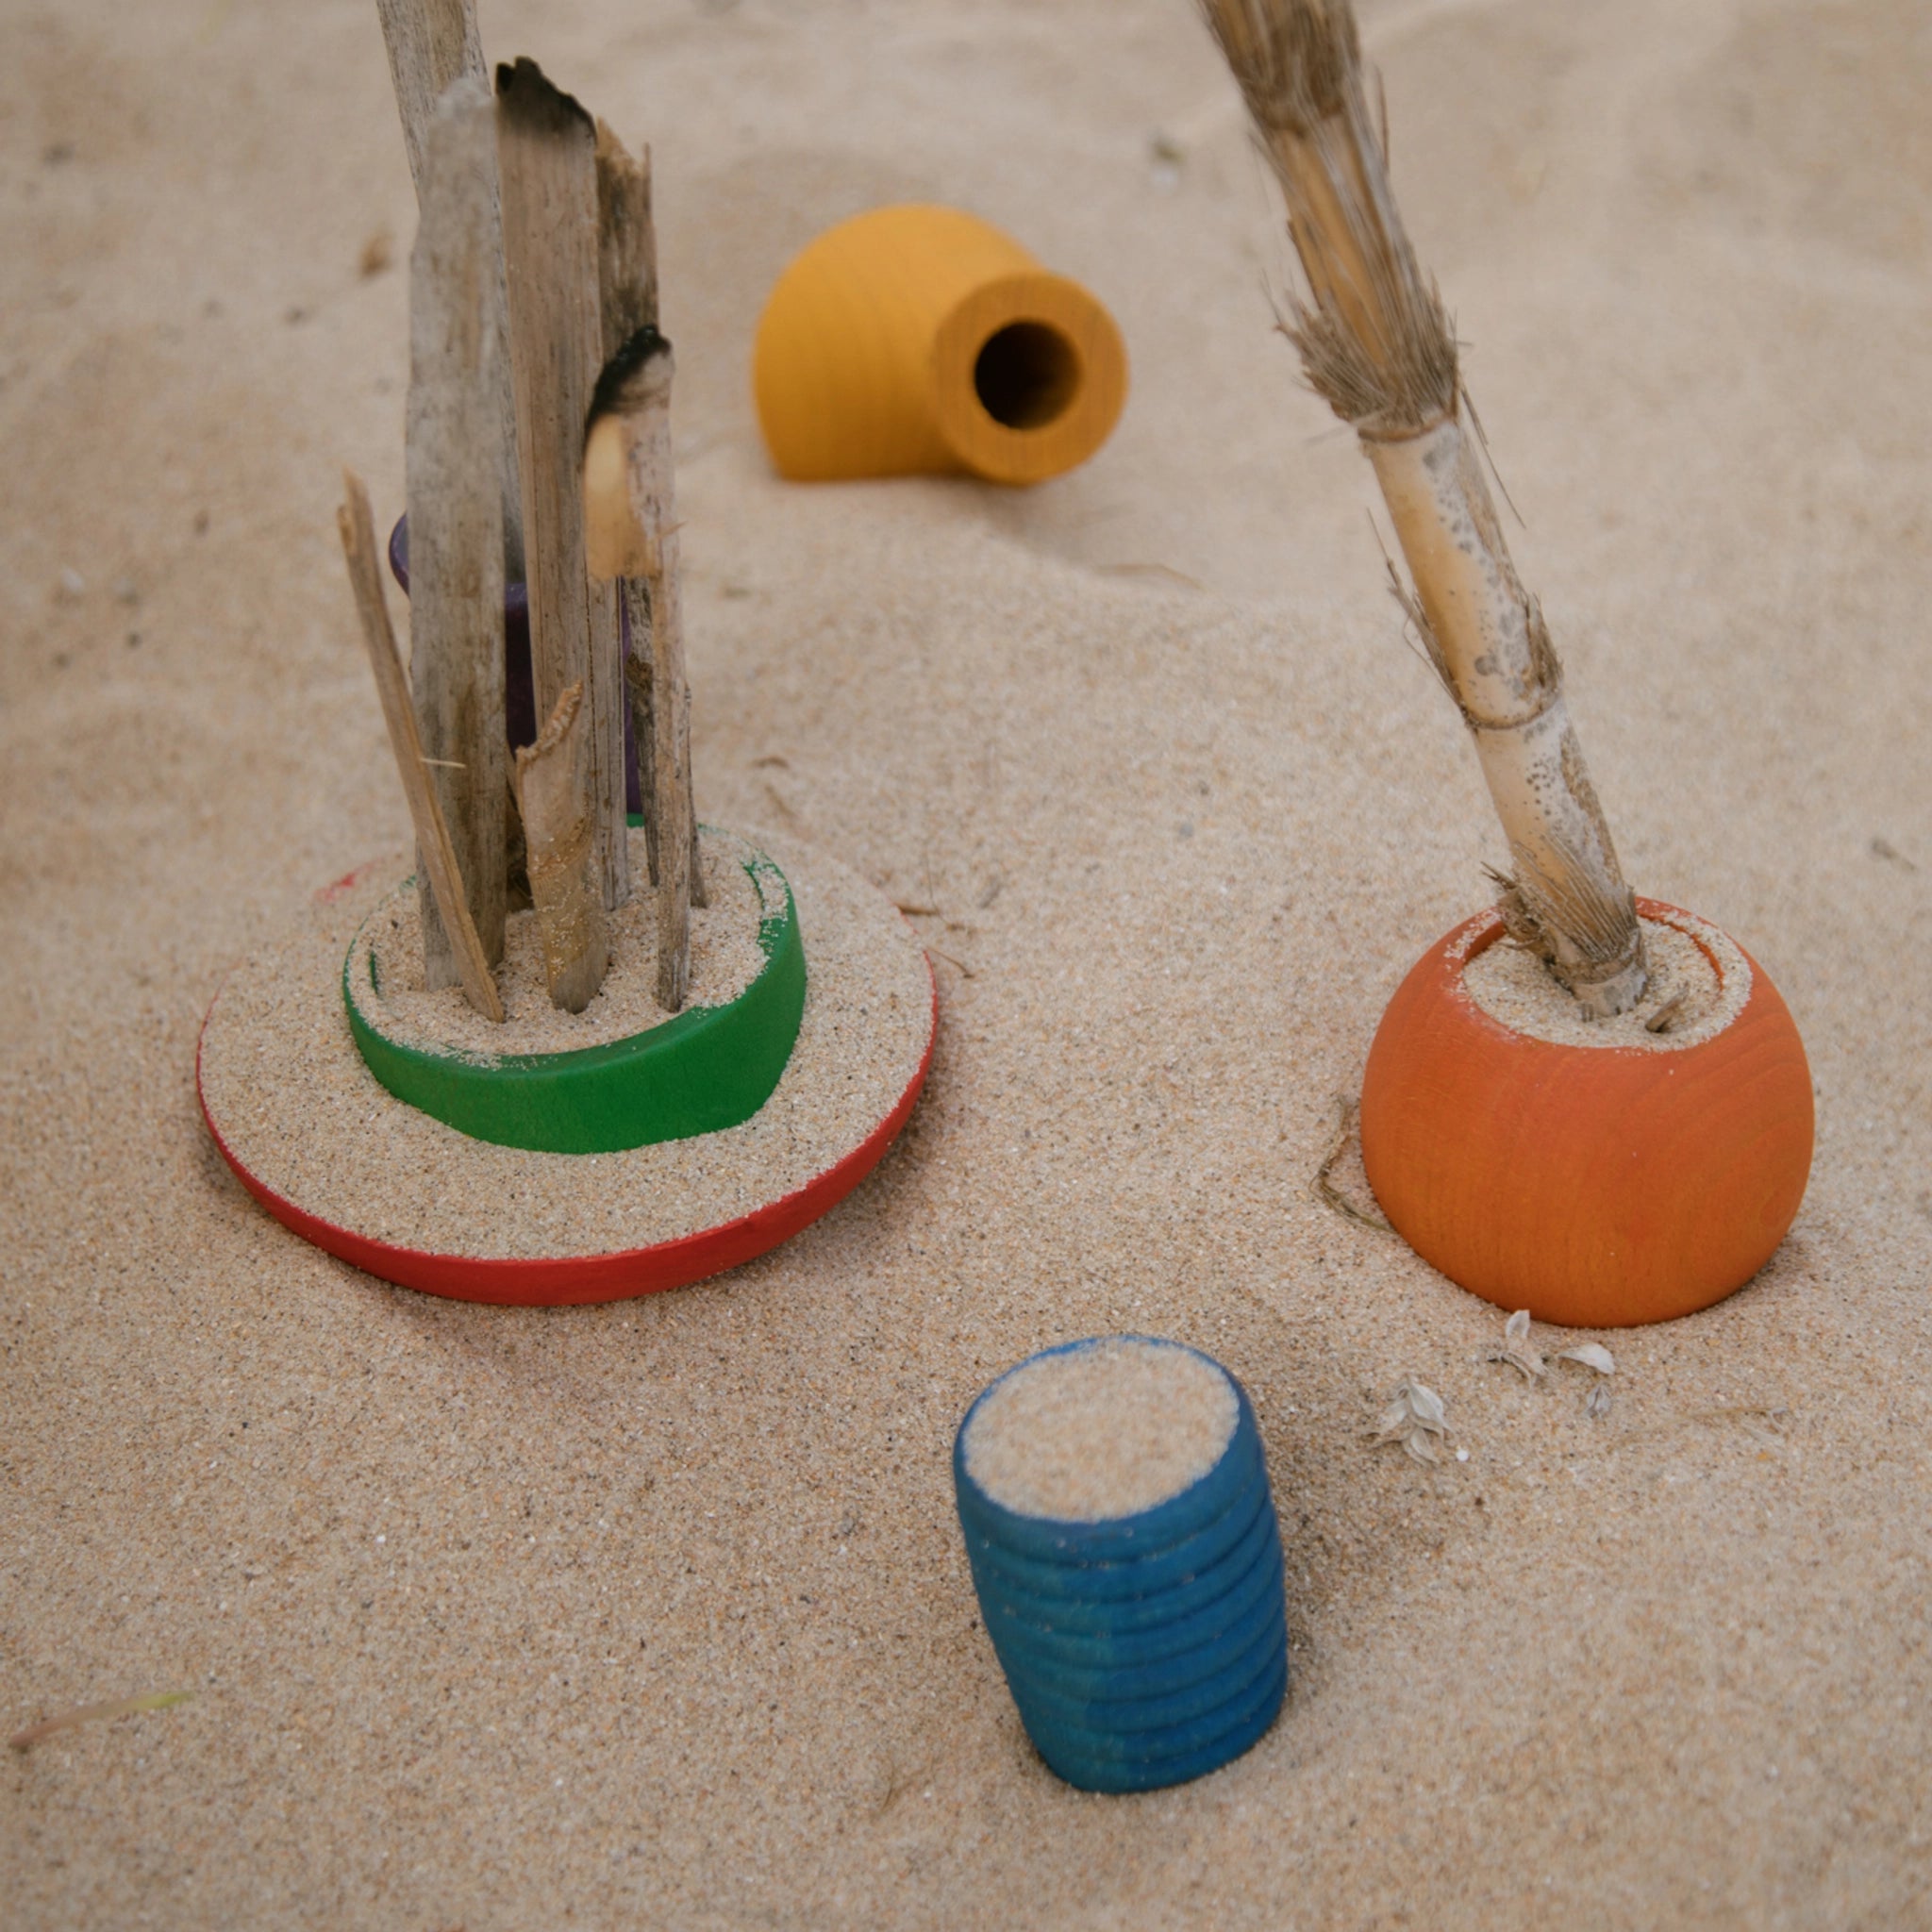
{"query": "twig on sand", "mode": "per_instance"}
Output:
(633, 537)
(89, 1713)
(547, 152)
(432, 45)
(627, 299)
(1330, 1193)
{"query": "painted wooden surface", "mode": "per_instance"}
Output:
(919, 339)
(564, 1280)
(1596, 1187)
(1145, 1649)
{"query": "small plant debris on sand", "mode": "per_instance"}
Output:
(1531, 1363)
(1414, 1418)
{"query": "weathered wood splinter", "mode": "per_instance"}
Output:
(552, 789)
(628, 491)
(456, 513)
(547, 153)
(627, 303)
(357, 530)
(432, 45)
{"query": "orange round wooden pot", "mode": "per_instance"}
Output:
(921, 339)
(1595, 1187)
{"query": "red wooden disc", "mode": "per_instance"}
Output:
(551, 1281)
(525, 1283)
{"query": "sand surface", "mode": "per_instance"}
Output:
(725, 958)
(655, 1614)
(1697, 986)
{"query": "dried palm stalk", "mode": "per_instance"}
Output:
(1375, 343)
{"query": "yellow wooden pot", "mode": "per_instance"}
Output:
(921, 339)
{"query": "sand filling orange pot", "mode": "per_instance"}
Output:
(1596, 1185)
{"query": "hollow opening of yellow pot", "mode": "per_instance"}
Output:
(1026, 374)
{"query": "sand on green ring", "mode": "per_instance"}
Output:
(725, 958)
(1089, 1434)
(298, 1108)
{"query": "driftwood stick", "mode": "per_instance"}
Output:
(637, 678)
(456, 514)
(547, 150)
(430, 44)
(393, 683)
(433, 44)
(552, 788)
(629, 489)
(626, 241)
(700, 892)
(627, 300)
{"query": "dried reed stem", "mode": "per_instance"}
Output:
(626, 302)
(627, 296)
(1375, 343)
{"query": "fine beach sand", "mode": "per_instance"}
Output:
(1100, 1431)
(657, 1613)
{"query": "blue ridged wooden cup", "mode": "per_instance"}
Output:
(1143, 1647)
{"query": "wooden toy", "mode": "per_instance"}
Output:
(1632, 1173)
(1593, 1186)
(393, 1191)
(1124, 1546)
(921, 339)
(582, 1052)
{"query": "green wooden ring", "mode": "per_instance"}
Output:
(709, 1068)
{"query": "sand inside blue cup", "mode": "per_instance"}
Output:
(1087, 1435)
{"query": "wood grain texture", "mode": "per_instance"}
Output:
(432, 45)
(547, 150)
(630, 485)
(637, 679)
(360, 550)
(626, 241)
(1596, 1187)
(553, 793)
(627, 298)
(456, 514)
(921, 339)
